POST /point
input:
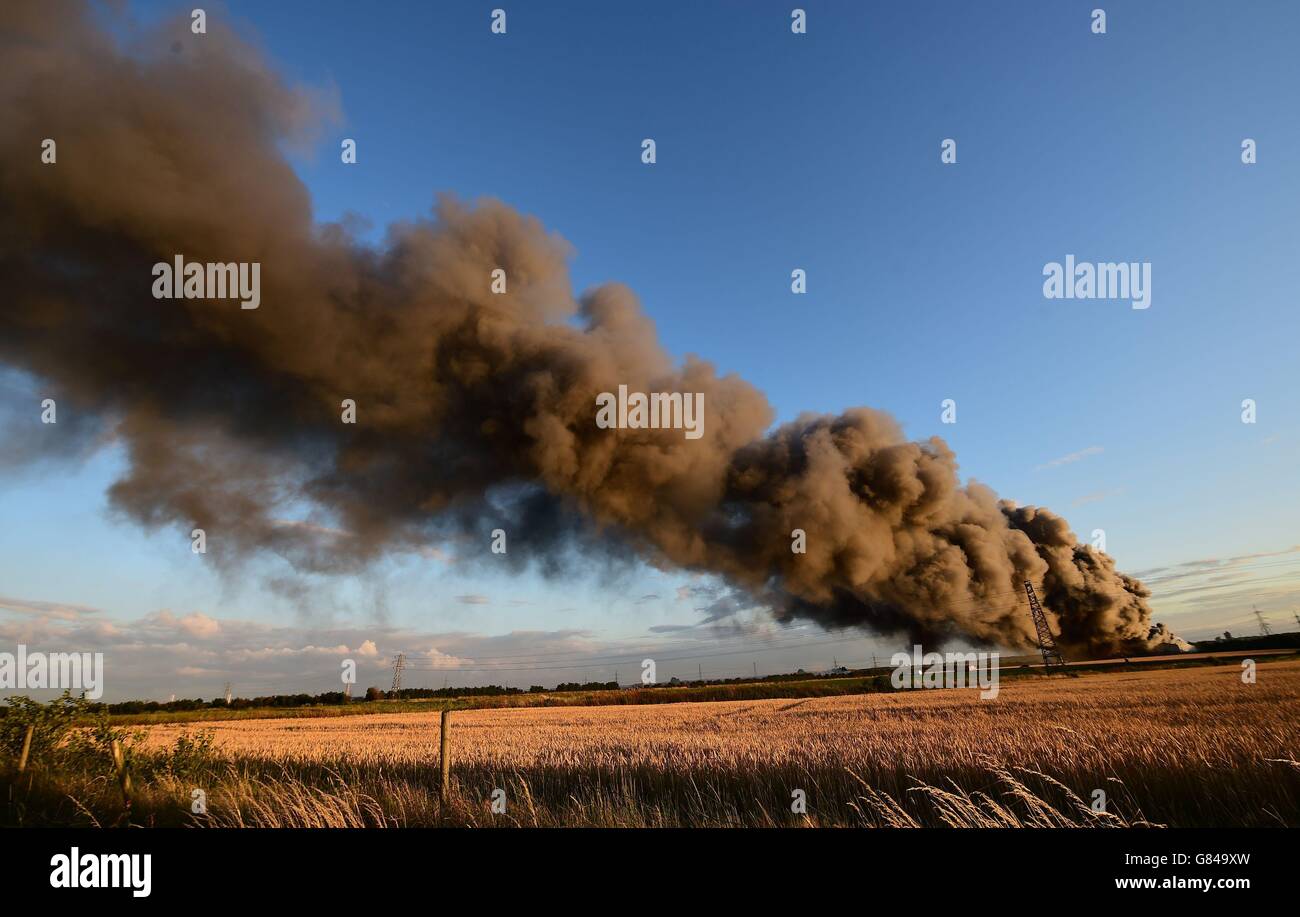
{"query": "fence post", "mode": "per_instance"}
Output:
(27, 747)
(444, 760)
(119, 761)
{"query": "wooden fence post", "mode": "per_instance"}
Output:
(124, 775)
(444, 760)
(27, 748)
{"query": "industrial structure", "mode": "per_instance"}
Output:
(1046, 642)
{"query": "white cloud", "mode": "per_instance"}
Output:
(200, 625)
(444, 660)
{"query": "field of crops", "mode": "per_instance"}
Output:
(1177, 747)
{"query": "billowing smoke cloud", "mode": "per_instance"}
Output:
(475, 410)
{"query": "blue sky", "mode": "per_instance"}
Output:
(819, 152)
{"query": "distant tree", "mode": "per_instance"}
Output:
(1227, 635)
(373, 693)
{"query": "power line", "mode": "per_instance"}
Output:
(774, 641)
(769, 646)
(653, 647)
(764, 646)
(1224, 567)
(611, 660)
(793, 638)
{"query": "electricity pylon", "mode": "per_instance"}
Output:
(1046, 642)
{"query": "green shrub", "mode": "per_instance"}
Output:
(67, 731)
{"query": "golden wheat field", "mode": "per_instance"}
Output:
(1190, 746)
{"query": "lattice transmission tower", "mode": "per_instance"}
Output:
(399, 663)
(1046, 642)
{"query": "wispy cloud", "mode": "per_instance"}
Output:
(1197, 569)
(1095, 497)
(60, 610)
(1071, 458)
(1207, 596)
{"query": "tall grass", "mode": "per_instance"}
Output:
(1181, 747)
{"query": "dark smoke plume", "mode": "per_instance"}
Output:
(473, 408)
